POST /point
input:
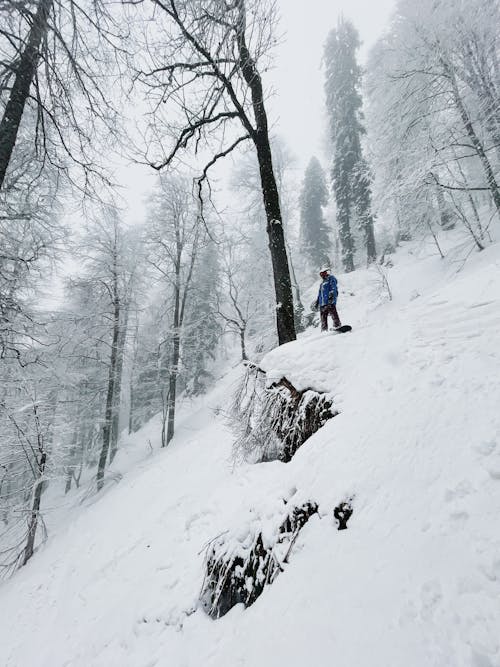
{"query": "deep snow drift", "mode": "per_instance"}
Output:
(414, 581)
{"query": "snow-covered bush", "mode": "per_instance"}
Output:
(381, 290)
(238, 567)
(273, 420)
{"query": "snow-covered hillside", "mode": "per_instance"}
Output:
(414, 581)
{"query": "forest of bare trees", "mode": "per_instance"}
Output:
(108, 322)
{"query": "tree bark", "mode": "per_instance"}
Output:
(346, 242)
(172, 389)
(445, 216)
(242, 343)
(131, 412)
(132, 394)
(174, 363)
(35, 509)
(480, 81)
(108, 416)
(472, 203)
(298, 305)
(363, 202)
(72, 453)
(69, 473)
(275, 232)
(180, 299)
(371, 249)
(43, 446)
(115, 425)
(25, 72)
(476, 142)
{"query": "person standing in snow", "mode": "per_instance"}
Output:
(327, 299)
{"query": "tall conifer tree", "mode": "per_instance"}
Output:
(203, 327)
(314, 240)
(350, 175)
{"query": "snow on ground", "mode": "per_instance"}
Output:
(414, 581)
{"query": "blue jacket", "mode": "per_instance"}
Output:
(327, 287)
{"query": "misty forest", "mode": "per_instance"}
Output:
(183, 434)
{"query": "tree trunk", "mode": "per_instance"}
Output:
(108, 416)
(115, 424)
(35, 509)
(371, 249)
(72, 453)
(25, 71)
(275, 232)
(403, 231)
(43, 446)
(172, 389)
(480, 80)
(299, 306)
(346, 243)
(69, 473)
(281, 272)
(476, 142)
(131, 407)
(132, 395)
(242, 343)
(179, 311)
(471, 202)
(445, 215)
(364, 210)
(174, 364)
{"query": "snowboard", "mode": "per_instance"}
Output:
(343, 329)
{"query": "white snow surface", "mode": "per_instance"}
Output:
(413, 582)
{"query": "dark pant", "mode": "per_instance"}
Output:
(330, 309)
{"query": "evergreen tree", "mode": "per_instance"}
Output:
(314, 240)
(203, 329)
(350, 176)
(363, 205)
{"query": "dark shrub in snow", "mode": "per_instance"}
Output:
(343, 513)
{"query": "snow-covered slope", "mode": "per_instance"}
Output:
(414, 581)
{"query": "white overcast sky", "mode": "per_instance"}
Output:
(296, 109)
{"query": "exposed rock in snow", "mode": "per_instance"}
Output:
(239, 567)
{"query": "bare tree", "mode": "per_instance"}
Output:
(245, 181)
(52, 56)
(24, 75)
(209, 70)
(434, 113)
(86, 317)
(31, 235)
(237, 308)
(150, 360)
(42, 444)
(174, 234)
(110, 255)
(28, 416)
(120, 284)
